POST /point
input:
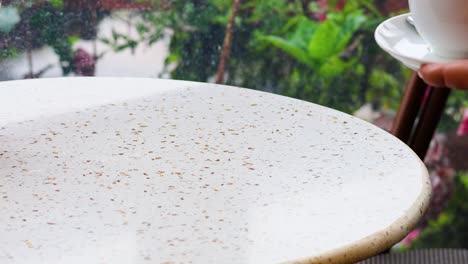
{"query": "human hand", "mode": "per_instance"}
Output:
(452, 74)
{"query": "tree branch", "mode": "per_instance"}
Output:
(227, 42)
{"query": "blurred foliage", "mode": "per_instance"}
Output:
(53, 34)
(279, 46)
(450, 229)
(452, 117)
(289, 47)
(49, 23)
(30, 26)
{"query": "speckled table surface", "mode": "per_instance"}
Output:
(122, 170)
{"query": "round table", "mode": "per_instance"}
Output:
(124, 170)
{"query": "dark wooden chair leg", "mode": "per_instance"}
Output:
(428, 121)
(409, 108)
(419, 136)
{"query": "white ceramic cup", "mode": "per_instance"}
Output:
(444, 25)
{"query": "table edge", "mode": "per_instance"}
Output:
(382, 240)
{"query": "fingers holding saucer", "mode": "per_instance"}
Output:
(432, 74)
(452, 74)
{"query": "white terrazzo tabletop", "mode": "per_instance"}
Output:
(122, 170)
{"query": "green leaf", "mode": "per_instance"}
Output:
(105, 41)
(360, 69)
(142, 29)
(73, 39)
(57, 4)
(322, 44)
(172, 58)
(464, 181)
(154, 38)
(351, 24)
(115, 35)
(289, 47)
(333, 67)
(124, 46)
(304, 29)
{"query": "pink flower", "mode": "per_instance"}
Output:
(413, 235)
(463, 129)
(321, 17)
(340, 5)
(84, 63)
(445, 172)
(323, 5)
(426, 96)
(437, 151)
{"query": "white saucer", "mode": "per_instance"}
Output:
(403, 42)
